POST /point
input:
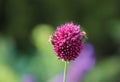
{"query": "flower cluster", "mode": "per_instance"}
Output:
(68, 41)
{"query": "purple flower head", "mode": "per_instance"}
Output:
(79, 68)
(68, 41)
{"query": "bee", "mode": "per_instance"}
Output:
(84, 35)
(51, 37)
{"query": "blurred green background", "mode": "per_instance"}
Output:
(25, 26)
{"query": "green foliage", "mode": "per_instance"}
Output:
(105, 71)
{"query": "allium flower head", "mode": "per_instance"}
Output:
(68, 41)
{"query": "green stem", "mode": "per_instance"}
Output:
(65, 72)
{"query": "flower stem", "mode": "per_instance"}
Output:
(65, 72)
